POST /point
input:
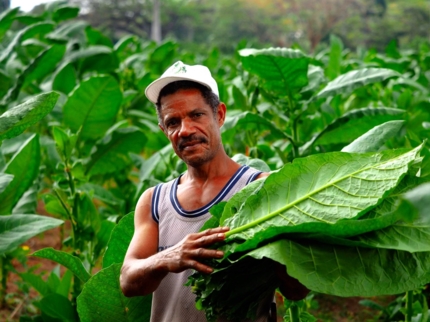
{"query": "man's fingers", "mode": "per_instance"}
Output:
(202, 268)
(208, 253)
(213, 231)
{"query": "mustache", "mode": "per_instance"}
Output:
(182, 143)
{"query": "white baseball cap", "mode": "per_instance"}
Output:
(180, 71)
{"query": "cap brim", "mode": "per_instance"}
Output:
(153, 89)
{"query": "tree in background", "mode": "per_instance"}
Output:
(4, 5)
(284, 23)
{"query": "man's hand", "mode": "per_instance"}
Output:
(290, 288)
(189, 252)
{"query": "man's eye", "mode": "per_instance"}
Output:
(171, 123)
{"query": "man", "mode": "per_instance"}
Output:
(166, 244)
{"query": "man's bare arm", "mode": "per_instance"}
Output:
(144, 268)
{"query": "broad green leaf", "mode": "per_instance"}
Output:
(64, 79)
(17, 229)
(252, 162)
(161, 58)
(101, 193)
(148, 167)
(66, 283)
(103, 237)
(58, 306)
(354, 124)
(111, 154)
(14, 121)
(28, 158)
(6, 19)
(248, 121)
(5, 179)
(282, 71)
(102, 300)
(375, 139)
(11, 146)
(27, 204)
(92, 107)
(406, 236)
(119, 241)
(65, 13)
(316, 78)
(346, 83)
(317, 194)
(41, 28)
(349, 271)
(335, 57)
(88, 216)
(73, 263)
(96, 37)
(98, 58)
(5, 83)
(68, 30)
(122, 43)
(37, 282)
(44, 64)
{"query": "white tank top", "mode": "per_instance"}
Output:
(172, 301)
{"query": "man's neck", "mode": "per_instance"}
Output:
(221, 166)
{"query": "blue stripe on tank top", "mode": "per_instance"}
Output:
(203, 210)
(253, 176)
(155, 199)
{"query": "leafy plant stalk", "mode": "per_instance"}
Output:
(409, 308)
(294, 313)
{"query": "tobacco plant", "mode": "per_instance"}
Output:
(74, 116)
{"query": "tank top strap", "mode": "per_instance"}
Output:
(166, 193)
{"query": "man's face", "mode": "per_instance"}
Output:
(191, 126)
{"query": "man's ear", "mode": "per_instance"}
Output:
(162, 129)
(221, 113)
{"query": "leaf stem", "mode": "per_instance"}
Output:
(294, 313)
(409, 309)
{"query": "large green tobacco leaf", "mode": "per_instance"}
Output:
(335, 57)
(92, 107)
(6, 19)
(349, 271)
(407, 236)
(353, 124)
(73, 263)
(14, 121)
(248, 121)
(58, 307)
(5, 179)
(111, 154)
(375, 139)
(316, 194)
(282, 71)
(64, 79)
(17, 229)
(346, 83)
(41, 28)
(44, 64)
(64, 13)
(24, 166)
(102, 300)
(119, 241)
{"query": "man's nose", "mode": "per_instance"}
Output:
(187, 128)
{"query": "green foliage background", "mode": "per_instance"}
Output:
(79, 138)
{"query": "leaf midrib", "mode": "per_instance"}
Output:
(308, 195)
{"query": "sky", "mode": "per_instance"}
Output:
(27, 5)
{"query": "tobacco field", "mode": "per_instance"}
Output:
(344, 133)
